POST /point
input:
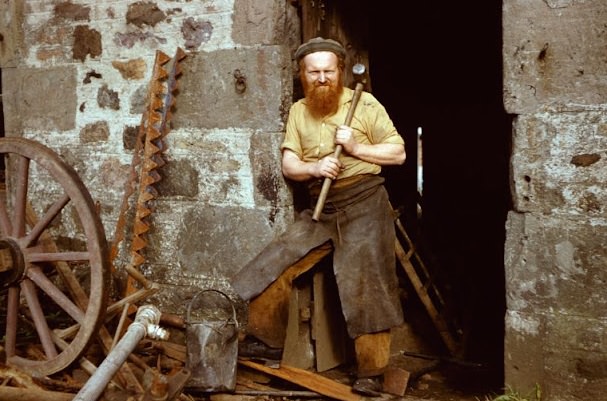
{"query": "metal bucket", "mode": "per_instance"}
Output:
(212, 344)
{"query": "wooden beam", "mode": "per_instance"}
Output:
(310, 380)
(30, 394)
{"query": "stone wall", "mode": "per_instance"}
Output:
(555, 83)
(75, 77)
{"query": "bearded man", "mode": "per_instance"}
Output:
(357, 217)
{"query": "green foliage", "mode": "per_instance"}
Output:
(513, 395)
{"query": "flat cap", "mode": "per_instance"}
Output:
(319, 44)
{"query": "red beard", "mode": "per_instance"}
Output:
(323, 99)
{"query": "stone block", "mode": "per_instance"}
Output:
(554, 53)
(556, 168)
(242, 87)
(179, 178)
(258, 21)
(555, 264)
(232, 167)
(204, 241)
(39, 99)
(575, 368)
(523, 351)
(583, 335)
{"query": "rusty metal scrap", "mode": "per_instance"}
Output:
(147, 159)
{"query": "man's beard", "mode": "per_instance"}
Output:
(323, 100)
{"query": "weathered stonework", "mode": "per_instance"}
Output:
(554, 53)
(40, 100)
(552, 261)
(549, 173)
(554, 80)
(131, 69)
(95, 132)
(87, 43)
(255, 21)
(559, 353)
(232, 88)
(81, 87)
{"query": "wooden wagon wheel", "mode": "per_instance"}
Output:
(54, 260)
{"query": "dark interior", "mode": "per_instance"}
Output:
(438, 66)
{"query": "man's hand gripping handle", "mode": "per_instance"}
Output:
(322, 197)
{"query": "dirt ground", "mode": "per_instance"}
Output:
(431, 378)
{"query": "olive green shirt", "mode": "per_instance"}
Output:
(312, 139)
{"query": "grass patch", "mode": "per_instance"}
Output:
(513, 395)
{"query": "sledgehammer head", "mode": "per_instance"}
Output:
(358, 70)
(359, 73)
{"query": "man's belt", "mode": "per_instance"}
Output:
(315, 186)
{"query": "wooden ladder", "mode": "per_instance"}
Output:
(426, 289)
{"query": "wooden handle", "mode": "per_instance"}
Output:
(324, 191)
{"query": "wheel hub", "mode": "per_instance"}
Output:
(12, 264)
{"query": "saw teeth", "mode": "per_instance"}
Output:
(147, 155)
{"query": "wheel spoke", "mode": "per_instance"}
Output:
(44, 333)
(48, 217)
(46, 285)
(37, 257)
(68, 276)
(22, 178)
(5, 222)
(12, 311)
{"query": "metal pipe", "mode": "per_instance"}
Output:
(146, 322)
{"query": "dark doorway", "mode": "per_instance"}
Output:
(437, 66)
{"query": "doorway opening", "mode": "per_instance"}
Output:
(437, 68)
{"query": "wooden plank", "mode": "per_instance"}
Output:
(309, 380)
(30, 394)
(299, 349)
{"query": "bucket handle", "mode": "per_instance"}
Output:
(211, 290)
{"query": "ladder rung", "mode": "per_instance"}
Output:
(410, 253)
(425, 288)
